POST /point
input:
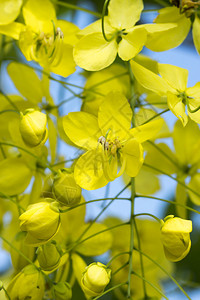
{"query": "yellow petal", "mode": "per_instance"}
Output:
(186, 142)
(13, 29)
(147, 131)
(175, 76)
(150, 80)
(194, 103)
(26, 81)
(194, 91)
(176, 225)
(63, 63)
(133, 154)
(196, 33)
(79, 266)
(174, 36)
(132, 43)
(39, 15)
(126, 14)
(88, 171)
(115, 119)
(52, 139)
(177, 107)
(94, 53)
(82, 129)
(97, 27)
(69, 30)
(15, 176)
(146, 183)
(9, 10)
(96, 245)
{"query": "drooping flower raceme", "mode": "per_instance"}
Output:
(95, 51)
(172, 84)
(112, 147)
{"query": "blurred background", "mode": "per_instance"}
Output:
(184, 56)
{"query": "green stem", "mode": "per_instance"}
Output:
(147, 214)
(102, 23)
(131, 237)
(168, 201)
(167, 273)
(11, 199)
(8, 110)
(175, 179)
(90, 201)
(157, 115)
(119, 269)
(109, 290)
(74, 7)
(6, 293)
(114, 257)
(151, 284)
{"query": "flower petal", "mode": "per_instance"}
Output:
(88, 171)
(124, 14)
(82, 129)
(94, 53)
(194, 184)
(9, 10)
(175, 76)
(13, 29)
(150, 80)
(69, 30)
(133, 154)
(132, 43)
(196, 33)
(174, 36)
(177, 107)
(147, 131)
(39, 15)
(115, 119)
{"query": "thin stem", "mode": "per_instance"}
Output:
(11, 199)
(8, 110)
(10, 101)
(157, 115)
(109, 290)
(6, 293)
(119, 269)
(168, 201)
(102, 23)
(167, 273)
(114, 257)
(93, 221)
(90, 201)
(151, 284)
(74, 7)
(147, 214)
(175, 179)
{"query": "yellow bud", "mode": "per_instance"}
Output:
(95, 278)
(33, 127)
(40, 222)
(65, 188)
(175, 234)
(27, 284)
(19, 262)
(62, 291)
(48, 256)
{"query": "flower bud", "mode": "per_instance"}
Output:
(62, 291)
(95, 278)
(40, 222)
(19, 262)
(65, 188)
(27, 284)
(175, 234)
(48, 256)
(33, 127)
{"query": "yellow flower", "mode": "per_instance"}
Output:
(62, 291)
(95, 278)
(9, 11)
(172, 84)
(176, 237)
(93, 52)
(41, 223)
(48, 256)
(65, 188)
(47, 40)
(33, 127)
(29, 283)
(109, 141)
